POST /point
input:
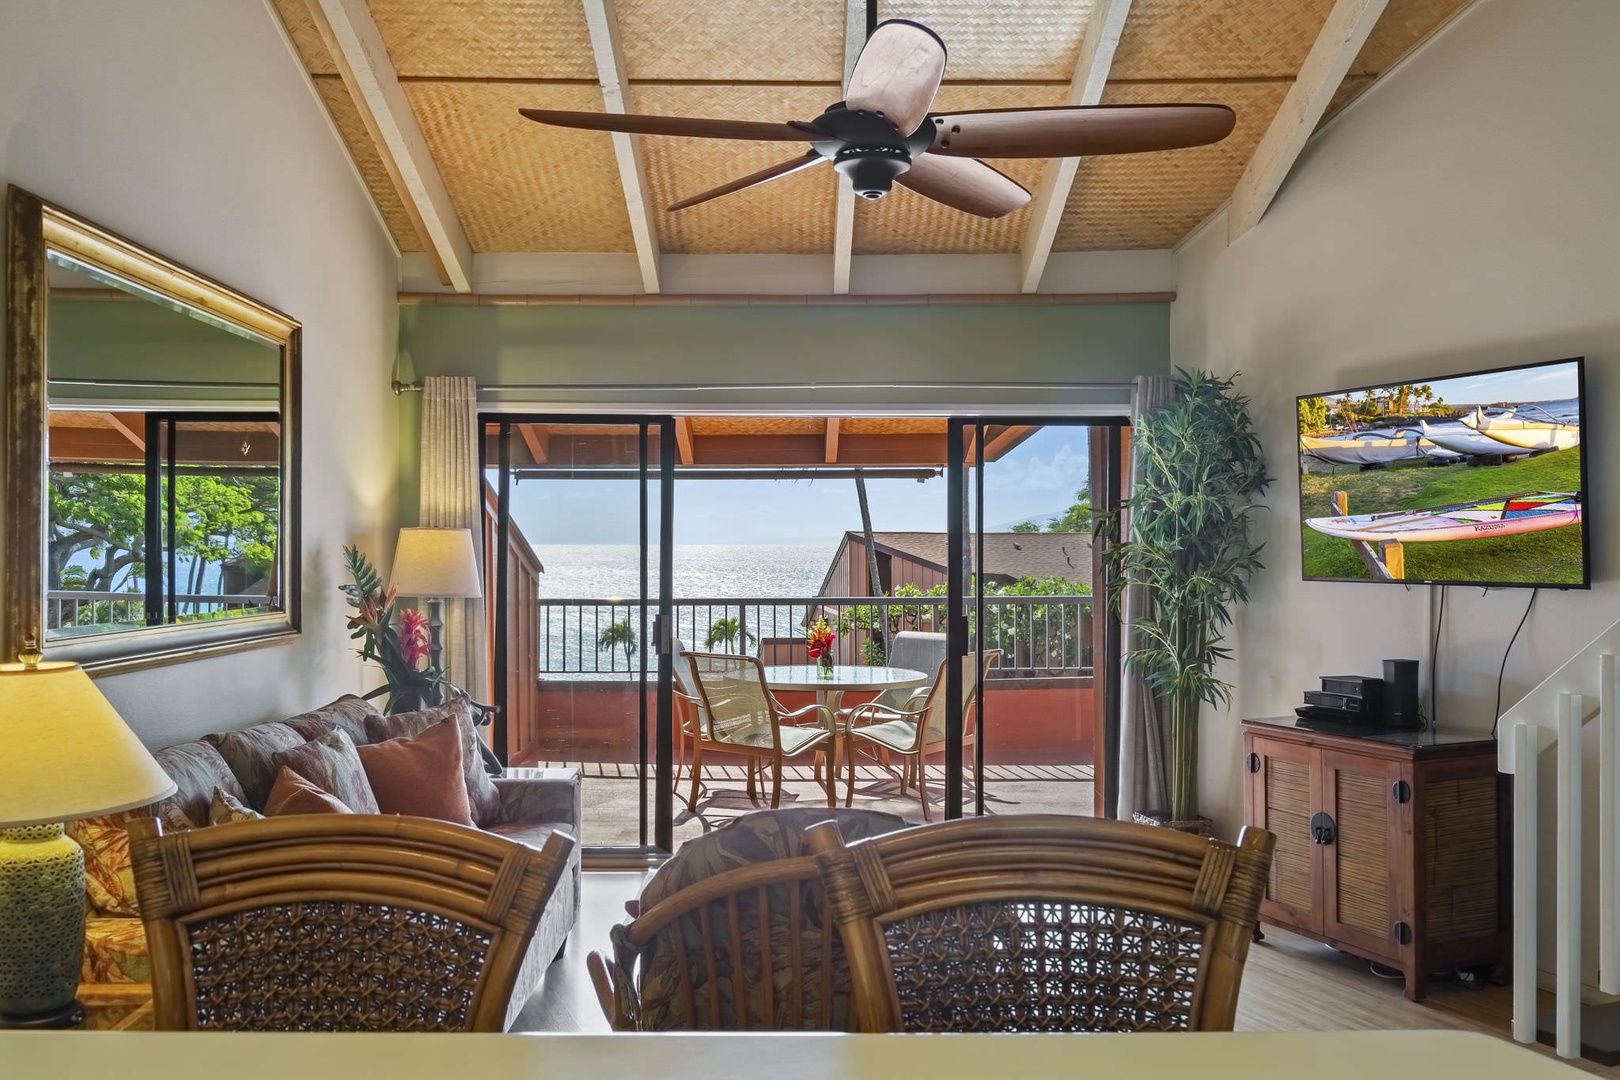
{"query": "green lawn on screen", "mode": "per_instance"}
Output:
(1551, 556)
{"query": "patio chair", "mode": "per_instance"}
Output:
(1044, 922)
(916, 729)
(740, 716)
(338, 922)
(733, 934)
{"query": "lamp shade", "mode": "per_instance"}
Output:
(65, 753)
(436, 563)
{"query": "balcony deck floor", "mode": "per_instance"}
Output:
(611, 795)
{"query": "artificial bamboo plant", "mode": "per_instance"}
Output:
(1198, 475)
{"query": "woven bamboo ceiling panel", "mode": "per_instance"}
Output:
(897, 425)
(467, 66)
(722, 41)
(518, 185)
(790, 216)
(1153, 200)
(757, 425)
(486, 39)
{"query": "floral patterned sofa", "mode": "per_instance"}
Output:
(525, 805)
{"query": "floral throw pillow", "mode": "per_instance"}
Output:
(109, 872)
(227, 808)
(331, 764)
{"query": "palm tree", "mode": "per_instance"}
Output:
(724, 631)
(619, 635)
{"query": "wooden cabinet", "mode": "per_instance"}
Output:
(1388, 845)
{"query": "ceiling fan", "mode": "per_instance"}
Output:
(882, 133)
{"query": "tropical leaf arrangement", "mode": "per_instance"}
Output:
(396, 639)
(1199, 475)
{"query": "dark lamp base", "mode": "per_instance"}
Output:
(69, 1015)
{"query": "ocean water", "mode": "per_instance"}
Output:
(613, 571)
(570, 634)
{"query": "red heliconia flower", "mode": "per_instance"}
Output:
(819, 639)
(415, 640)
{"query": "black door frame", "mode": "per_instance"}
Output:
(956, 613)
(663, 742)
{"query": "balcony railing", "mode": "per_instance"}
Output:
(1039, 636)
(70, 611)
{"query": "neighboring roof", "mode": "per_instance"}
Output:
(1007, 556)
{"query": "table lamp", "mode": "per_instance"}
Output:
(435, 565)
(64, 754)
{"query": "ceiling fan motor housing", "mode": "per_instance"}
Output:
(868, 148)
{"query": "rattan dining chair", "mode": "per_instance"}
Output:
(734, 934)
(739, 715)
(1044, 922)
(915, 729)
(338, 922)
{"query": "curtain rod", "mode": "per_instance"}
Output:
(785, 300)
(547, 389)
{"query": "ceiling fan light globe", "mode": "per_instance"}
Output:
(872, 171)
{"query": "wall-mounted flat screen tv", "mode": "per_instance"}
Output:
(1475, 479)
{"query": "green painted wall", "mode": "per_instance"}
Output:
(727, 348)
(121, 339)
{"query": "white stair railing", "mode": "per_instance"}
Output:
(1552, 715)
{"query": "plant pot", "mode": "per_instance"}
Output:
(1197, 825)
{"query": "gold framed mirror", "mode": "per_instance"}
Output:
(149, 459)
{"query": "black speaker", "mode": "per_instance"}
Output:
(1401, 694)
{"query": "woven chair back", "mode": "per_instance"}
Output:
(736, 705)
(1044, 923)
(338, 922)
(935, 723)
(734, 934)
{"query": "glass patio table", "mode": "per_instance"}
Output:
(830, 691)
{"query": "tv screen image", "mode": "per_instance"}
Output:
(1472, 479)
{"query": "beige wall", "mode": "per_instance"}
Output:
(1463, 215)
(188, 126)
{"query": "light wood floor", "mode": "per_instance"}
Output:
(1289, 984)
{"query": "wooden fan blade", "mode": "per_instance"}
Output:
(1079, 130)
(783, 168)
(964, 184)
(898, 74)
(670, 125)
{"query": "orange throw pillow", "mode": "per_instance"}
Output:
(292, 794)
(420, 776)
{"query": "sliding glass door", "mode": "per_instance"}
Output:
(1028, 631)
(582, 515)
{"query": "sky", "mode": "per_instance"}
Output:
(1037, 479)
(1545, 382)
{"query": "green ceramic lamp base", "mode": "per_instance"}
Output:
(41, 926)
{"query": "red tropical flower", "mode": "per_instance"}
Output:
(819, 639)
(415, 639)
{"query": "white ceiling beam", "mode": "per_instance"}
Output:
(357, 46)
(1336, 48)
(844, 211)
(1103, 30)
(602, 19)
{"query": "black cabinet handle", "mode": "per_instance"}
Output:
(1402, 791)
(1253, 762)
(1324, 830)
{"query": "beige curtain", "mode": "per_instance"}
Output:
(1143, 738)
(452, 497)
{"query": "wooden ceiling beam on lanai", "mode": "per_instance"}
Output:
(685, 455)
(997, 444)
(831, 456)
(538, 441)
(133, 428)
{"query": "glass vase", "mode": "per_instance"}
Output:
(824, 666)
